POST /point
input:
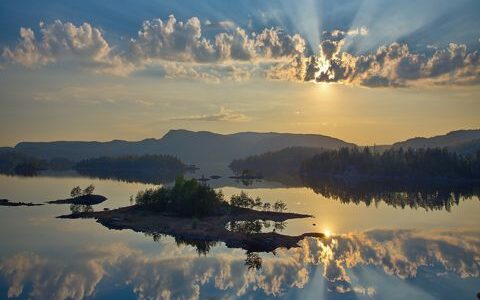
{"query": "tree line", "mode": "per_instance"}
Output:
(362, 162)
(410, 163)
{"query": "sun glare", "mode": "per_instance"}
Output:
(327, 232)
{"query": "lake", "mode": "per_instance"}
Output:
(373, 249)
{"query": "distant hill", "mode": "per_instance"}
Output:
(189, 146)
(6, 149)
(466, 147)
(463, 141)
(276, 163)
(209, 148)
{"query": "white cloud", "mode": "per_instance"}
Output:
(224, 115)
(183, 51)
(392, 65)
(59, 41)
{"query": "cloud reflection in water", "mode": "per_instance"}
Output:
(179, 273)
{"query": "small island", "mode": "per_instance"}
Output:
(195, 212)
(81, 197)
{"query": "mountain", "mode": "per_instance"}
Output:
(275, 163)
(6, 149)
(190, 146)
(463, 141)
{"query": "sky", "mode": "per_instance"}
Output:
(366, 71)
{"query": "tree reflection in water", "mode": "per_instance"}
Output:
(80, 208)
(428, 195)
(253, 261)
(256, 226)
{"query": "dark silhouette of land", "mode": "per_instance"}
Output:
(208, 229)
(208, 147)
(6, 202)
(429, 163)
(189, 146)
(194, 212)
(460, 141)
(81, 200)
(365, 163)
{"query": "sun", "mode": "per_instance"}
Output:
(327, 232)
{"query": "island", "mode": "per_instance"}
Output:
(194, 212)
(81, 197)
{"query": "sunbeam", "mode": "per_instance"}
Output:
(390, 21)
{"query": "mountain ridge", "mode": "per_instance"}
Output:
(190, 146)
(210, 147)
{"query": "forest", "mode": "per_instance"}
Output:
(393, 162)
(366, 162)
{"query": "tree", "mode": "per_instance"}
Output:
(89, 189)
(242, 200)
(280, 206)
(258, 202)
(266, 206)
(75, 192)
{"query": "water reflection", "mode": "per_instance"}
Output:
(426, 195)
(80, 208)
(377, 264)
(429, 195)
(202, 247)
(138, 176)
(257, 226)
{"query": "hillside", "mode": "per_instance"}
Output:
(276, 163)
(464, 141)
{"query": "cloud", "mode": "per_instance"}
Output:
(221, 25)
(224, 115)
(393, 65)
(59, 41)
(181, 50)
(340, 34)
(179, 273)
(208, 73)
(171, 40)
(177, 41)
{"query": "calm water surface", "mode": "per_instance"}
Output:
(370, 252)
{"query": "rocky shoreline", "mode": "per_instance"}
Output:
(208, 229)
